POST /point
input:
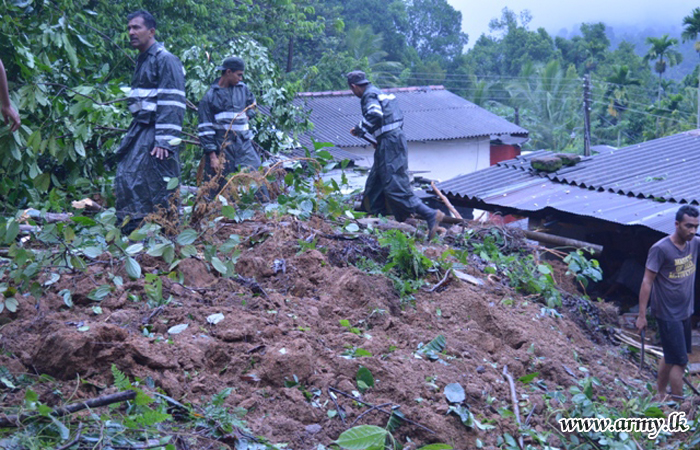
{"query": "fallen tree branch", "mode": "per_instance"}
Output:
(389, 413)
(337, 406)
(444, 279)
(385, 225)
(445, 201)
(48, 217)
(377, 407)
(690, 385)
(15, 420)
(516, 408)
(63, 86)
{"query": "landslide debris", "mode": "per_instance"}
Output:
(314, 321)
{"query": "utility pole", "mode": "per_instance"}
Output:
(587, 115)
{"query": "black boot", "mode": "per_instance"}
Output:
(432, 216)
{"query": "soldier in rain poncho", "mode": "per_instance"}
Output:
(388, 189)
(149, 151)
(223, 122)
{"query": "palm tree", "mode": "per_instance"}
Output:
(361, 42)
(547, 97)
(691, 28)
(663, 48)
(617, 93)
(480, 91)
(691, 31)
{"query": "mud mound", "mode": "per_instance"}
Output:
(282, 351)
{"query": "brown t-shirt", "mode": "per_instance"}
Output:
(673, 291)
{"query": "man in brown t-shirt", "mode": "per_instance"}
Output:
(669, 280)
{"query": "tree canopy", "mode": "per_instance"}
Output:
(69, 65)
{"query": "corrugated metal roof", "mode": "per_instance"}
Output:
(430, 113)
(338, 153)
(638, 185)
(664, 168)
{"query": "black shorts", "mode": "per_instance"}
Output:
(675, 340)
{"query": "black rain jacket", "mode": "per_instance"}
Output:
(388, 188)
(223, 126)
(157, 105)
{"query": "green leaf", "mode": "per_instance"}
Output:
(30, 397)
(71, 55)
(172, 183)
(544, 270)
(229, 212)
(138, 235)
(528, 378)
(188, 251)
(187, 237)
(82, 220)
(655, 412)
(92, 252)
(362, 438)
(219, 265)
(100, 293)
(67, 297)
(52, 279)
(362, 352)
(364, 376)
(11, 304)
(82, 39)
(134, 249)
(12, 230)
(133, 269)
(157, 250)
(80, 148)
(42, 182)
(7, 383)
(62, 429)
(437, 345)
(454, 392)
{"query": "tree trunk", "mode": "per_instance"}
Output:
(290, 52)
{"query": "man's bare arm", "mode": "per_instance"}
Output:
(644, 294)
(8, 113)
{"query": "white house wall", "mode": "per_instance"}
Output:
(441, 160)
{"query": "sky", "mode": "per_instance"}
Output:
(554, 15)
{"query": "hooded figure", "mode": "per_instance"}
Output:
(388, 189)
(149, 151)
(223, 124)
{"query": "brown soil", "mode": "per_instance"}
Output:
(293, 332)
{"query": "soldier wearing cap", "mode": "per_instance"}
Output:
(149, 151)
(224, 114)
(388, 189)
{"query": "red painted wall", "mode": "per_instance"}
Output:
(503, 153)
